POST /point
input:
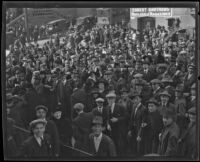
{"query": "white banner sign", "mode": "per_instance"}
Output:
(151, 12)
(103, 20)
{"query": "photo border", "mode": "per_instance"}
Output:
(98, 4)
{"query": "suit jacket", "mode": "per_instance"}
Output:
(120, 114)
(11, 147)
(135, 120)
(31, 149)
(51, 129)
(78, 96)
(187, 144)
(156, 93)
(188, 82)
(154, 125)
(168, 140)
(59, 90)
(68, 89)
(81, 129)
(149, 75)
(64, 128)
(169, 105)
(106, 147)
(180, 107)
(104, 114)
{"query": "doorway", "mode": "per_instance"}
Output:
(146, 23)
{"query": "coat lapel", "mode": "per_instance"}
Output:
(93, 145)
(35, 142)
(165, 132)
(101, 144)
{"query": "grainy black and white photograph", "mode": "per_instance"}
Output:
(93, 83)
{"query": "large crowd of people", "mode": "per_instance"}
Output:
(111, 91)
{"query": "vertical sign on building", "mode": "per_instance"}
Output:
(103, 16)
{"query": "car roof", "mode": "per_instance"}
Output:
(55, 21)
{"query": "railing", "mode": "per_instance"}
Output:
(13, 21)
(66, 151)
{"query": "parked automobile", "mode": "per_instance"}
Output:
(57, 26)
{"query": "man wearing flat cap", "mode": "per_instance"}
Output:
(101, 110)
(142, 89)
(164, 101)
(39, 144)
(169, 135)
(189, 78)
(167, 85)
(51, 129)
(148, 74)
(99, 144)
(116, 122)
(187, 143)
(137, 114)
(156, 87)
(180, 107)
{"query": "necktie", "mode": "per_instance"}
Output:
(112, 109)
(96, 143)
(100, 110)
(41, 141)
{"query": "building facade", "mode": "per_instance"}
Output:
(147, 17)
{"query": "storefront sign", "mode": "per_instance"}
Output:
(150, 12)
(101, 12)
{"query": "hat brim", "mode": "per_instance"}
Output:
(111, 96)
(97, 123)
(100, 101)
(165, 95)
(148, 102)
(33, 125)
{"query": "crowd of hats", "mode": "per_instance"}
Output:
(113, 63)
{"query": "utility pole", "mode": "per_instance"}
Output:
(26, 24)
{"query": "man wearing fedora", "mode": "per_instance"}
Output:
(39, 144)
(190, 78)
(187, 143)
(167, 85)
(101, 110)
(99, 144)
(51, 129)
(169, 135)
(136, 115)
(116, 122)
(81, 126)
(153, 127)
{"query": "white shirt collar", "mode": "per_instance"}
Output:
(99, 137)
(138, 105)
(80, 112)
(38, 139)
(112, 107)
